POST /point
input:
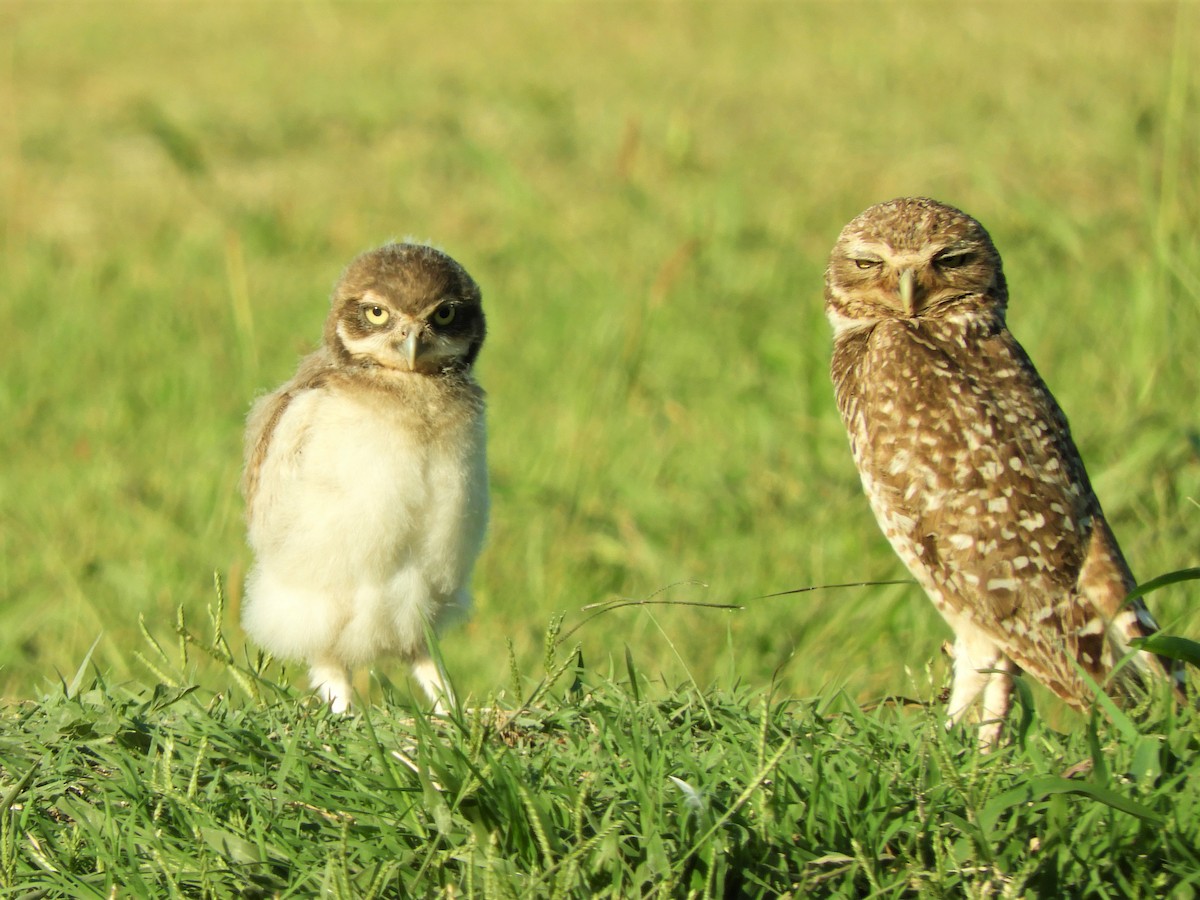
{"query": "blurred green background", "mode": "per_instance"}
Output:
(647, 193)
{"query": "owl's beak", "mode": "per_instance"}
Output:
(410, 345)
(906, 291)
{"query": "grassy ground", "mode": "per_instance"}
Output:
(647, 194)
(593, 786)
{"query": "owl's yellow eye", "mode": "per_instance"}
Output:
(376, 315)
(444, 314)
(866, 263)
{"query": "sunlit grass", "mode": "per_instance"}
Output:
(573, 783)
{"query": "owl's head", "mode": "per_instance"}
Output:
(409, 308)
(913, 259)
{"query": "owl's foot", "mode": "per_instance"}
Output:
(331, 681)
(436, 686)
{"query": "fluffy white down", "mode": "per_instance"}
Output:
(362, 528)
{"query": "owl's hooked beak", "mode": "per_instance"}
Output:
(906, 291)
(411, 345)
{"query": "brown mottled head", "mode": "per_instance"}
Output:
(913, 258)
(406, 307)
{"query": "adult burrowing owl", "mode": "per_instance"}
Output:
(365, 475)
(968, 462)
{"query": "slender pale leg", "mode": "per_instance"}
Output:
(981, 668)
(331, 681)
(426, 671)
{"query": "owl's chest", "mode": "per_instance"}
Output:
(383, 454)
(897, 385)
(381, 474)
(920, 409)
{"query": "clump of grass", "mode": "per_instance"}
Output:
(598, 784)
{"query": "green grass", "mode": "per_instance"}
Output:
(595, 786)
(647, 194)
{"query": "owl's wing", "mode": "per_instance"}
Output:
(265, 415)
(981, 490)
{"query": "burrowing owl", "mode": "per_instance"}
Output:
(365, 475)
(968, 462)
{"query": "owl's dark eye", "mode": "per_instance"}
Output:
(866, 263)
(444, 314)
(953, 259)
(376, 315)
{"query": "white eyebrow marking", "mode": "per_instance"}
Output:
(370, 298)
(865, 248)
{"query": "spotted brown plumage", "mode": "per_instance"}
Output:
(969, 465)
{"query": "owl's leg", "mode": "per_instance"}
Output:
(980, 667)
(426, 671)
(332, 681)
(997, 701)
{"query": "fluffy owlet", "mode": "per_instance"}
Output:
(365, 475)
(969, 465)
